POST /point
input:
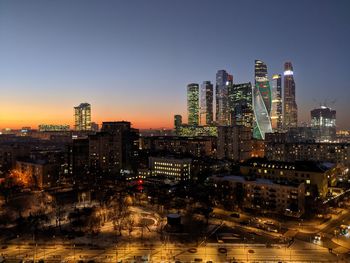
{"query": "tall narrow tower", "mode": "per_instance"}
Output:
(261, 101)
(223, 82)
(290, 106)
(276, 109)
(206, 107)
(193, 103)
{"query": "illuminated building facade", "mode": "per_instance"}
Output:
(280, 150)
(324, 119)
(53, 127)
(193, 104)
(241, 104)
(223, 82)
(82, 115)
(191, 131)
(198, 146)
(171, 168)
(290, 106)
(43, 174)
(114, 150)
(206, 107)
(261, 194)
(316, 176)
(276, 108)
(234, 142)
(262, 99)
(177, 122)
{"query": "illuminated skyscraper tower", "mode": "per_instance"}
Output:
(276, 110)
(223, 81)
(261, 101)
(206, 107)
(290, 106)
(193, 103)
(177, 122)
(82, 116)
(240, 104)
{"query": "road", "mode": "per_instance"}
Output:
(298, 252)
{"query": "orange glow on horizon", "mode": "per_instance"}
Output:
(34, 115)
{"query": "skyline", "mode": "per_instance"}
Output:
(58, 55)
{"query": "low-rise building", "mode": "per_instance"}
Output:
(195, 146)
(277, 148)
(317, 176)
(172, 168)
(42, 174)
(265, 195)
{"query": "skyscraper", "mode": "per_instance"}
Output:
(82, 116)
(223, 81)
(193, 103)
(290, 106)
(241, 104)
(261, 101)
(206, 107)
(323, 119)
(276, 110)
(177, 122)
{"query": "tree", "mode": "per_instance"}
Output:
(119, 211)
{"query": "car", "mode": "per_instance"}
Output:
(317, 237)
(235, 215)
(222, 250)
(198, 260)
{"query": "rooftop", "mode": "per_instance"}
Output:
(309, 166)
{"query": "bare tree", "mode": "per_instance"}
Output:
(120, 211)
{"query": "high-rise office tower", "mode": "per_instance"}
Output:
(206, 107)
(323, 119)
(276, 108)
(261, 101)
(177, 122)
(241, 104)
(82, 116)
(290, 106)
(223, 81)
(193, 103)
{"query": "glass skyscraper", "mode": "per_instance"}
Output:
(241, 104)
(276, 110)
(223, 81)
(206, 107)
(193, 103)
(261, 101)
(290, 106)
(82, 116)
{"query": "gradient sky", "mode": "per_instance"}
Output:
(132, 59)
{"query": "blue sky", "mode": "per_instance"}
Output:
(132, 59)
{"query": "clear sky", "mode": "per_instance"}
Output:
(133, 59)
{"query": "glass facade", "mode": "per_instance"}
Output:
(290, 106)
(193, 103)
(276, 109)
(261, 101)
(241, 104)
(206, 107)
(82, 115)
(223, 82)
